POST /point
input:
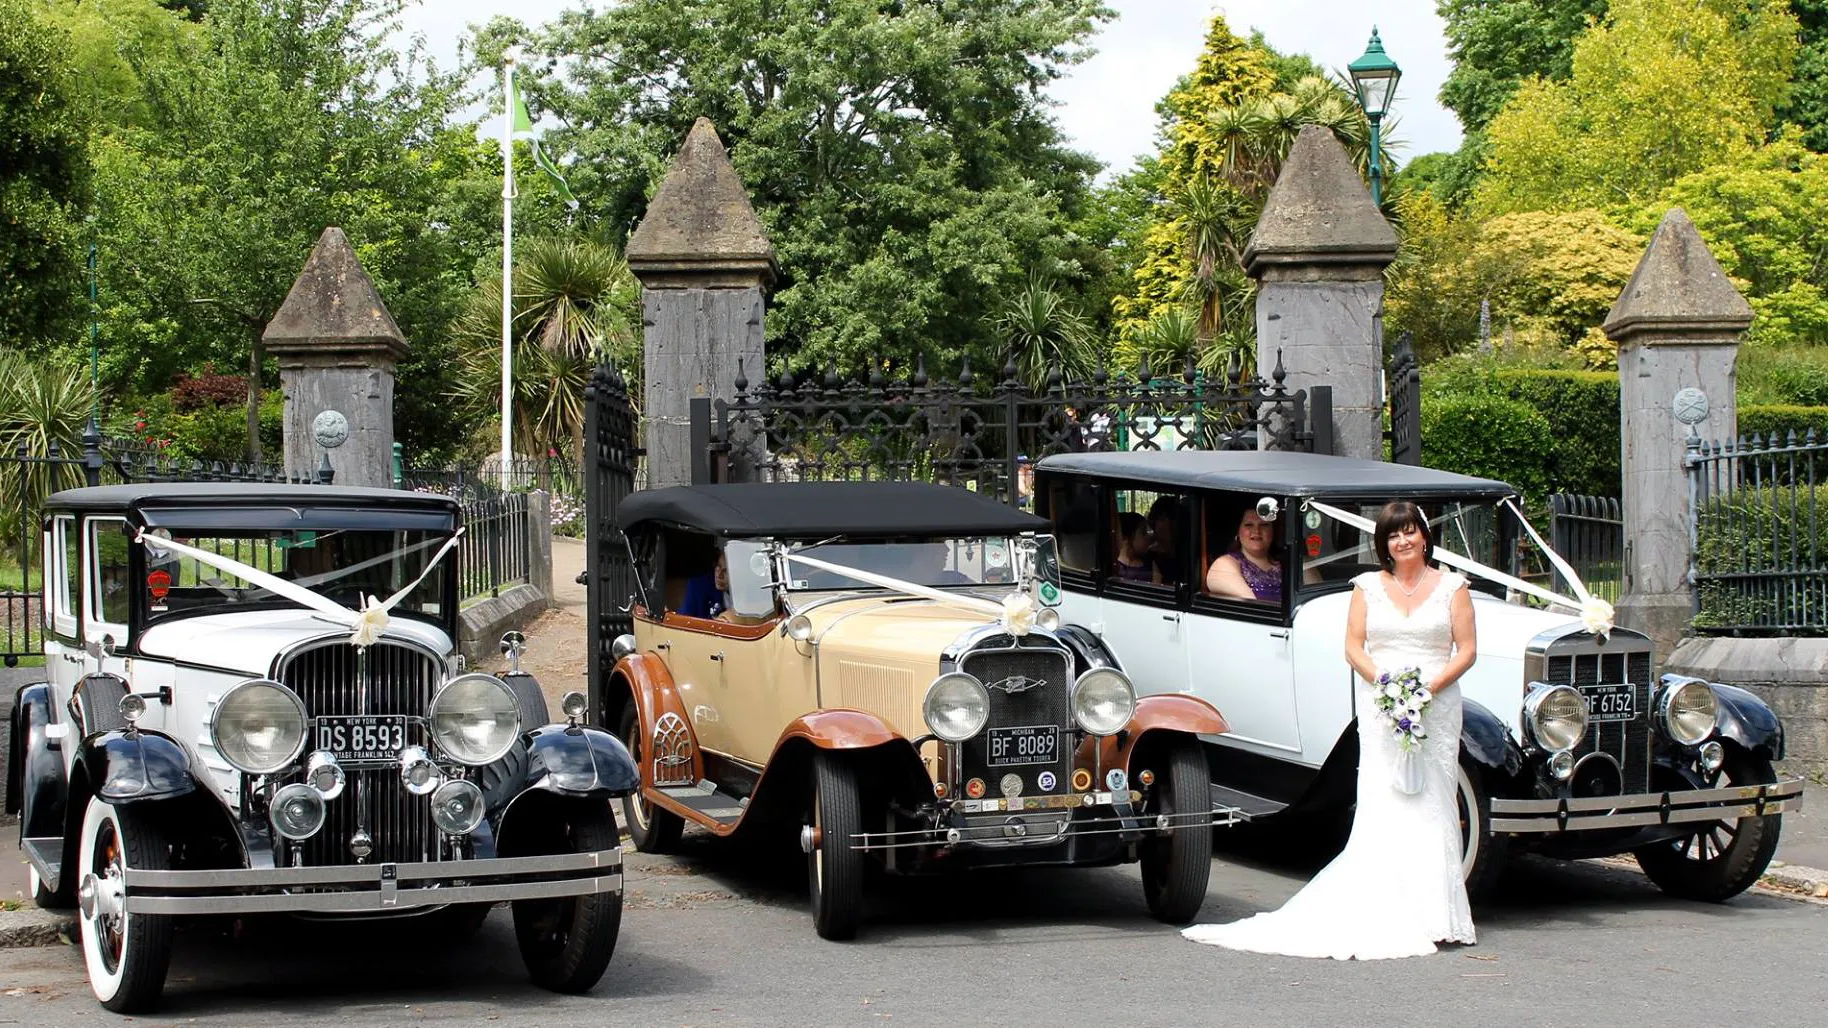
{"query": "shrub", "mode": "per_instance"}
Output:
(208, 390)
(1780, 420)
(1490, 436)
(1581, 407)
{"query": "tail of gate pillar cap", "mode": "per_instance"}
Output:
(1319, 221)
(700, 229)
(1678, 293)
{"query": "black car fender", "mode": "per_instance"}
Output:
(1089, 651)
(131, 766)
(36, 788)
(1749, 722)
(1486, 739)
(576, 760)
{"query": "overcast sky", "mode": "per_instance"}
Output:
(1107, 106)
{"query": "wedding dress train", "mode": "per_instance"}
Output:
(1397, 887)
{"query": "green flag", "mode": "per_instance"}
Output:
(523, 129)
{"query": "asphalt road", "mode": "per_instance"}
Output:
(721, 935)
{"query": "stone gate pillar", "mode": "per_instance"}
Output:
(705, 265)
(1318, 254)
(337, 348)
(1677, 325)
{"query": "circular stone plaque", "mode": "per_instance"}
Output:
(1690, 405)
(330, 429)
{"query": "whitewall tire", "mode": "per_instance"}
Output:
(126, 954)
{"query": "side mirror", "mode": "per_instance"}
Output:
(1269, 508)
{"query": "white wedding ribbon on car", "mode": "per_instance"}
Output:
(1016, 613)
(1596, 615)
(366, 625)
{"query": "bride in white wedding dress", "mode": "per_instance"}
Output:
(1396, 889)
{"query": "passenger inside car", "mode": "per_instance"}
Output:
(1134, 563)
(1249, 568)
(1165, 523)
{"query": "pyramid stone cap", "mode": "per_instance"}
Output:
(700, 224)
(333, 307)
(1319, 213)
(1678, 289)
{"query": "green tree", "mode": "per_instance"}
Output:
(902, 157)
(1044, 333)
(1660, 89)
(44, 179)
(115, 42)
(1496, 45)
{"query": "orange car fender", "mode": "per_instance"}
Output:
(839, 729)
(1164, 712)
(651, 688)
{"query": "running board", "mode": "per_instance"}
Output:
(46, 855)
(707, 800)
(1248, 807)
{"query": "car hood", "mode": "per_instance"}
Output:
(247, 641)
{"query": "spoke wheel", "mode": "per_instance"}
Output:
(1482, 854)
(566, 942)
(651, 829)
(1720, 859)
(1177, 865)
(127, 954)
(835, 866)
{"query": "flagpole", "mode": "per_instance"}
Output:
(507, 266)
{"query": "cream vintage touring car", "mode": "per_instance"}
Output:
(867, 663)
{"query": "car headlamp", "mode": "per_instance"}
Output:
(417, 772)
(1689, 711)
(258, 726)
(475, 719)
(1556, 716)
(956, 707)
(457, 807)
(324, 774)
(1104, 701)
(297, 811)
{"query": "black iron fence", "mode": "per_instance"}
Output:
(979, 435)
(497, 547)
(1758, 539)
(1588, 532)
(1405, 433)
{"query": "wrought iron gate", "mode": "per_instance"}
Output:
(1405, 433)
(610, 454)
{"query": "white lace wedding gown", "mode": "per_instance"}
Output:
(1396, 889)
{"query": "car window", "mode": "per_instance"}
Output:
(1332, 552)
(1228, 572)
(1072, 505)
(1148, 538)
(109, 584)
(967, 560)
(65, 584)
(751, 588)
(343, 565)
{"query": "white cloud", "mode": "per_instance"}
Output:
(1107, 105)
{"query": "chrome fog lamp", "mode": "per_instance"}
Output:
(1104, 701)
(1712, 756)
(1689, 711)
(457, 807)
(1556, 716)
(417, 772)
(258, 726)
(324, 774)
(297, 812)
(475, 719)
(1561, 765)
(621, 646)
(1047, 619)
(799, 628)
(133, 708)
(956, 707)
(574, 704)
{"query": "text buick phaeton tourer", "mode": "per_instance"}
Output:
(877, 665)
(254, 706)
(1572, 744)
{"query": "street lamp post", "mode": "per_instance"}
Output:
(95, 357)
(1374, 77)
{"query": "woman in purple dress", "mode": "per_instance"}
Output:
(1133, 563)
(1247, 571)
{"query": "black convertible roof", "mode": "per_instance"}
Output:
(806, 510)
(114, 498)
(1277, 473)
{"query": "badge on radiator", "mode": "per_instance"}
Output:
(1114, 779)
(1045, 781)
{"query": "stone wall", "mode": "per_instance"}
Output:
(1787, 673)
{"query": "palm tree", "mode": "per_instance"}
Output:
(42, 408)
(575, 305)
(1045, 331)
(1214, 219)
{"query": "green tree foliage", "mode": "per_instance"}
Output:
(44, 179)
(1498, 44)
(1043, 332)
(1661, 89)
(902, 157)
(115, 42)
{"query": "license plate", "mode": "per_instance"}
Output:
(1039, 744)
(1610, 702)
(363, 737)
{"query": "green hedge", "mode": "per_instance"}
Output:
(1580, 453)
(1489, 436)
(1782, 419)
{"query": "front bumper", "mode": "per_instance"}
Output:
(372, 888)
(1042, 821)
(1645, 810)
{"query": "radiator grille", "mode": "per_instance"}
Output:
(334, 679)
(1628, 742)
(1044, 704)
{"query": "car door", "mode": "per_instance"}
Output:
(65, 662)
(1144, 619)
(1241, 657)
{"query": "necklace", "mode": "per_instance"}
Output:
(1409, 590)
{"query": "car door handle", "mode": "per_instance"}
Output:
(1279, 635)
(1171, 617)
(718, 656)
(663, 646)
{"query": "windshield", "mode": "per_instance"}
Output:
(1333, 552)
(343, 565)
(974, 560)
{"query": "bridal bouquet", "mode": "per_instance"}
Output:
(1401, 697)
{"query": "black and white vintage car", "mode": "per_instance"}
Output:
(1572, 744)
(253, 705)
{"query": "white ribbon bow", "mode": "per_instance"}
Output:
(366, 625)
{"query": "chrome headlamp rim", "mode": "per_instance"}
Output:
(441, 799)
(304, 793)
(1112, 723)
(298, 745)
(1667, 710)
(480, 757)
(978, 695)
(1541, 693)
